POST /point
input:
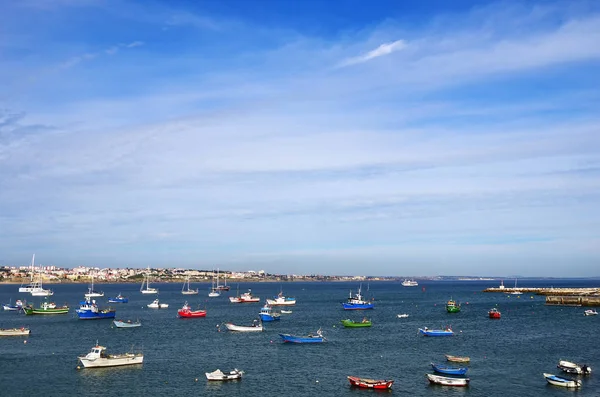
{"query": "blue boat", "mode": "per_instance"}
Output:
(267, 314)
(310, 338)
(436, 332)
(444, 369)
(118, 299)
(357, 302)
(88, 310)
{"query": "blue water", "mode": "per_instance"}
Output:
(508, 355)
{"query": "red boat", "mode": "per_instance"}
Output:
(494, 313)
(187, 312)
(370, 383)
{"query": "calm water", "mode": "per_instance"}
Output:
(507, 355)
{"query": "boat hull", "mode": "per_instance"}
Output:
(126, 324)
(268, 317)
(435, 332)
(287, 338)
(118, 300)
(457, 359)
(562, 382)
(242, 328)
(352, 324)
(443, 369)
(114, 361)
(15, 332)
(60, 310)
(224, 376)
(191, 313)
(100, 315)
(358, 306)
(446, 381)
(363, 383)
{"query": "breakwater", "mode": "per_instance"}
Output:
(549, 291)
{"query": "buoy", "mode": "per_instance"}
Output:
(25, 342)
(317, 381)
(196, 380)
(78, 367)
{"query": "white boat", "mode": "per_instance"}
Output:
(281, 300)
(516, 292)
(246, 297)
(286, 312)
(573, 368)
(563, 382)
(590, 312)
(127, 324)
(409, 283)
(447, 381)
(30, 286)
(14, 308)
(147, 289)
(93, 293)
(157, 305)
(214, 291)
(14, 331)
(185, 290)
(98, 358)
(223, 376)
(402, 315)
(255, 327)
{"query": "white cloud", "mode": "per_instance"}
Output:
(383, 49)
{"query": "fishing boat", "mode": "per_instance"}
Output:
(281, 300)
(447, 381)
(218, 375)
(185, 290)
(444, 369)
(356, 302)
(310, 338)
(98, 358)
(13, 308)
(590, 312)
(409, 283)
(402, 315)
(268, 314)
(255, 327)
(246, 297)
(156, 304)
(145, 288)
(356, 324)
(46, 308)
(370, 383)
(457, 359)
(436, 332)
(573, 368)
(92, 293)
(452, 306)
(14, 331)
(127, 324)
(494, 313)
(187, 312)
(89, 310)
(118, 299)
(214, 291)
(563, 382)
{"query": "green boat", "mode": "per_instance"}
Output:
(46, 308)
(452, 306)
(353, 324)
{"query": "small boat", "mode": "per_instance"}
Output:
(590, 312)
(457, 359)
(447, 381)
(563, 382)
(14, 331)
(409, 283)
(573, 368)
(46, 308)
(224, 376)
(370, 383)
(98, 358)
(88, 310)
(157, 305)
(452, 306)
(92, 293)
(187, 312)
(127, 324)
(14, 308)
(494, 313)
(185, 290)
(444, 369)
(436, 332)
(214, 291)
(246, 297)
(281, 300)
(310, 338)
(356, 302)
(222, 287)
(286, 312)
(268, 314)
(255, 327)
(145, 288)
(118, 299)
(357, 324)
(402, 315)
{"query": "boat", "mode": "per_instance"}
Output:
(89, 310)
(494, 313)
(92, 293)
(186, 290)
(447, 381)
(409, 283)
(457, 359)
(157, 305)
(13, 308)
(357, 324)
(255, 327)
(214, 292)
(402, 315)
(29, 287)
(370, 383)
(357, 302)
(218, 375)
(36, 288)
(436, 332)
(246, 297)
(46, 308)
(118, 299)
(515, 292)
(145, 288)
(187, 312)
(281, 300)
(268, 314)
(444, 369)
(590, 312)
(310, 338)
(127, 324)
(97, 357)
(14, 331)
(563, 382)
(220, 287)
(286, 312)
(452, 306)
(573, 368)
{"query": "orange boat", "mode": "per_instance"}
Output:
(370, 383)
(187, 312)
(494, 313)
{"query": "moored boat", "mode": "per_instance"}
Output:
(573, 368)
(145, 288)
(563, 382)
(436, 332)
(281, 300)
(457, 359)
(452, 306)
(357, 324)
(97, 357)
(46, 308)
(89, 310)
(127, 324)
(255, 327)
(409, 283)
(14, 308)
(118, 299)
(14, 331)
(494, 313)
(92, 293)
(156, 304)
(310, 338)
(403, 315)
(447, 381)
(590, 312)
(366, 383)
(286, 312)
(219, 375)
(187, 312)
(268, 314)
(246, 297)
(357, 302)
(444, 369)
(186, 290)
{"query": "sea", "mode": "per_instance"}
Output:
(508, 356)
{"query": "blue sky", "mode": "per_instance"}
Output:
(337, 137)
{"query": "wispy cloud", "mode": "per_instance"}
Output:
(383, 49)
(89, 56)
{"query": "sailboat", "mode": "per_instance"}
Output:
(214, 291)
(222, 287)
(93, 293)
(516, 292)
(29, 287)
(146, 282)
(185, 290)
(37, 288)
